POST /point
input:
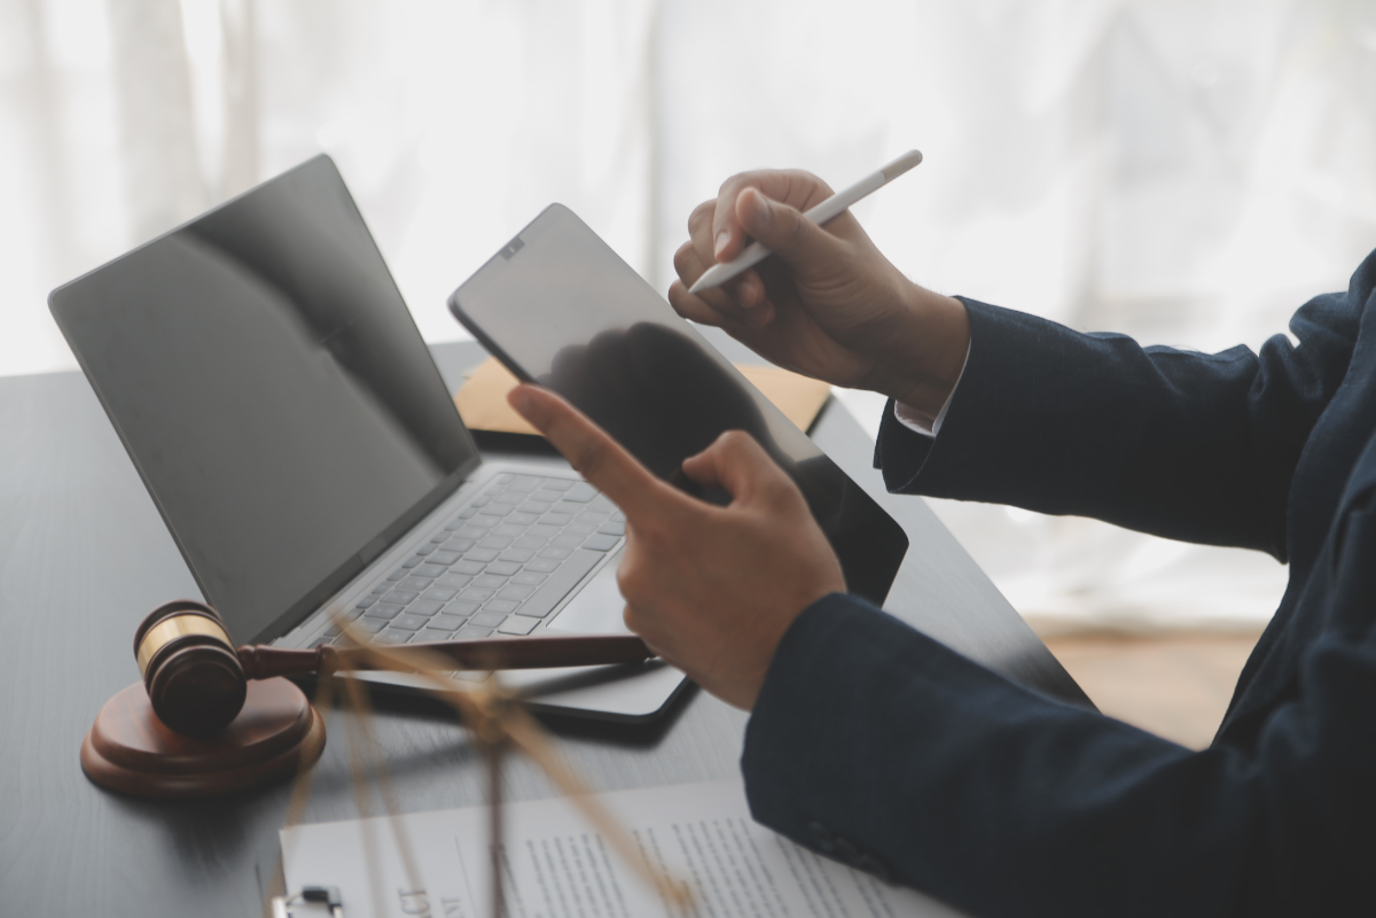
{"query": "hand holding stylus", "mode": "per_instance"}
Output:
(710, 589)
(829, 304)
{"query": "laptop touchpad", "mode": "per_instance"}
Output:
(596, 609)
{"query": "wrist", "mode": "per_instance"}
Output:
(926, 352)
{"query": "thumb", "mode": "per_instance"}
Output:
(738, 464)
(803, 245)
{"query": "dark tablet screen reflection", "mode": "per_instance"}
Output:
(560, 307)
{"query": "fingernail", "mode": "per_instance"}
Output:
(759, 211)
(722, 239)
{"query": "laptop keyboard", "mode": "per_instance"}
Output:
(500, 566)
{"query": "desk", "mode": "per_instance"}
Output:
(84, 556)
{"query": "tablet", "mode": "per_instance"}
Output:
(558, 307)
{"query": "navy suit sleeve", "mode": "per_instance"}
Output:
(1179, 444)
(877, 745)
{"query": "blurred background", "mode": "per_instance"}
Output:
(1186, 171)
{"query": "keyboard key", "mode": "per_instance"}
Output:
(507, 565)
(568, 540)
(424, 607)
(400, 597)
(509, 530)
(459, 545)
(481, 500)
(557, 484)
(619, 517)
(414, 584)
(366, 601)
(370, 625)
(425, 549)
(462, 607)
(609, 528)
(441, 593)
(516, 591)
(486, 619)
(517, 624)
(521, 519)
(500, 543)
(529, 543)
(556, 554)
(595, 516)
(396, 575)
(473, 631)
(412, 561)
(540, 530)
(439, 537)
(393, 637)
(409, 622)
(477, 594)
(535, 506)
(547, 495)
(351, 614)
(432, 635)
(553, 590)
(431, 571)
(496, 511)
(466, 513)
(490, 581)
(384, 610)
(525, 484)
(542, 565)
(602, 502)
(448, 623)
(381, 588)
(529, 577)
(580, 527)
(446, 557)
(456, 581)
(482, 554)
(557, 519)
(581, 493)
(601, 542)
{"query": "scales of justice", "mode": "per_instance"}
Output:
(209, 718)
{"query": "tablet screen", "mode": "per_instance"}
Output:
(558, 306)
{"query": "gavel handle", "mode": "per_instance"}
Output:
(263, 662)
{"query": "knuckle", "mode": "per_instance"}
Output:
(685, 257)
(701, 215)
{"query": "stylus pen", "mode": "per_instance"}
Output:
(831, 207)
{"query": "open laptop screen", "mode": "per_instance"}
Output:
(272, 388)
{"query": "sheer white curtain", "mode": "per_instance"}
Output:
(1187, 171)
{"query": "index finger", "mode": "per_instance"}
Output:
(593, 454)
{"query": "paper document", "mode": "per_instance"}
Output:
(558, 866)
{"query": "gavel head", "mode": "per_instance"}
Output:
(195, 681)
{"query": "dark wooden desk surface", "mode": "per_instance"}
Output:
(84, 555)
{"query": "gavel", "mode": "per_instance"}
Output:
(197, 680)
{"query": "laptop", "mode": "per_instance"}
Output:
(275, 395)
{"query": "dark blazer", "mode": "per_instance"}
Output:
(878, 745)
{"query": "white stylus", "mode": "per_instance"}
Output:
(831, 207)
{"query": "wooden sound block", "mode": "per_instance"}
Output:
(129, 750)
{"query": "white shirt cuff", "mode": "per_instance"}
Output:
(921, 422)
